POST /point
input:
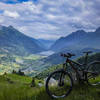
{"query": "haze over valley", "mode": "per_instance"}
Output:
(18, 51)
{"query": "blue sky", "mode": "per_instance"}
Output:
(15, 1)
(50, 19)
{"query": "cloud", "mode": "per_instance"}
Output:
(51, 19)
(50, 16)
(11, 14)
(1, 20)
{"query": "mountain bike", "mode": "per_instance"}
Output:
(59, 83)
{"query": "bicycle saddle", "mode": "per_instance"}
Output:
(68, 55)
(87, 52)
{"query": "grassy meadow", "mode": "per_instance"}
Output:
(15, 87)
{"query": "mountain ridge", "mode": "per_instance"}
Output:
(78, 40)
(14, 39)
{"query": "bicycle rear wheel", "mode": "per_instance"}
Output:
(93, 75)
(59, 84)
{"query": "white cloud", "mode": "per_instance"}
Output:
(50, 16)
(32, 7)
(50, 19)
(1, 21)
(11, 14)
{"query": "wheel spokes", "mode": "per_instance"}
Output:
(94, 74)
(59, 84)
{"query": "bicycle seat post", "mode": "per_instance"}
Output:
(86, 57)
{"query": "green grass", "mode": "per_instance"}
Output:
(34, 57)
(18, 88)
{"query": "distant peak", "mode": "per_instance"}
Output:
(80, 31)
(98, 30)
(10, 26)
(6, 27)
(61, 38)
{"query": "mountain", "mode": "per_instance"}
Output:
(57, 59)
(76, 43)
(78, 40)
(14, 42)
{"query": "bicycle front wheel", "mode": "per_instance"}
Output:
(59, 84)
(93, 75)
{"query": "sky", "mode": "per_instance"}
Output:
(50, 19)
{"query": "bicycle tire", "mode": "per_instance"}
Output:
(49, 88)
(93, 74)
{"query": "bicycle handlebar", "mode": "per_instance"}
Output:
(68, 55)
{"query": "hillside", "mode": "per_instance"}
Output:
(55, 59)
(78, 40)
(16, 43)
(14, 87)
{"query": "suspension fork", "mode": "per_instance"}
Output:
(61, 80)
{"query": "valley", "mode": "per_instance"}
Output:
(33, 56)
(8, 63)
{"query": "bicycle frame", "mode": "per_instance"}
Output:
(83, 74)
(70, 62)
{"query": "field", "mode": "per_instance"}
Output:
(15, 87)
(12, 62)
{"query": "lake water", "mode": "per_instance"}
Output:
(46, 53)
